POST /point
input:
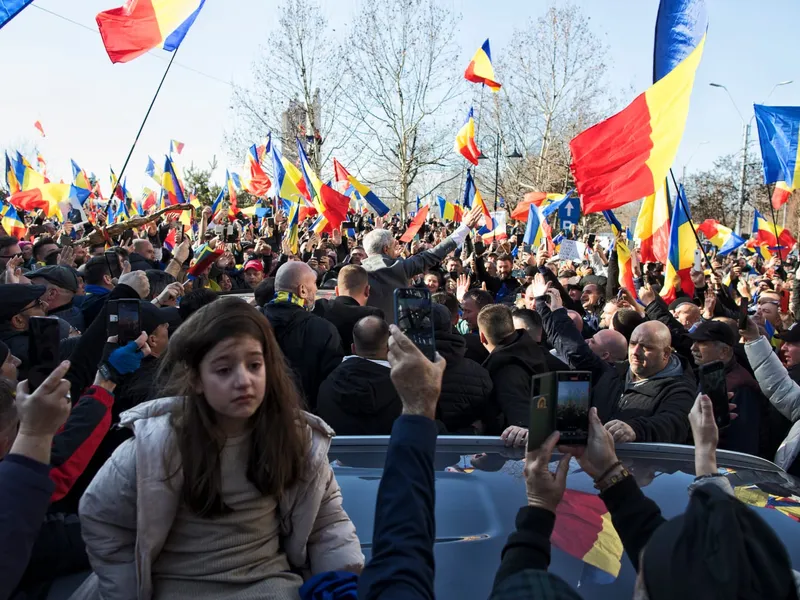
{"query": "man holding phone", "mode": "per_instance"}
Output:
(18, 303)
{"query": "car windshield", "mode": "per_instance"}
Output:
(480, 487)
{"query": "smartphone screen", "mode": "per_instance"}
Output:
(124, 320)
(271, 222)
(590, 240)
(348, 225)
(112, 260)
(414, 316)
(542, 415)
(712, 384)
(573, 393)
(44, 349)
(743, 313)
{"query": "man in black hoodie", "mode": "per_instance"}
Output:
(513, 359)
(358, 397)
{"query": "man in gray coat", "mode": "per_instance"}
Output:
(387, 271)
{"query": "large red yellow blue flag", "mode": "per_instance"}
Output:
(12, 183)
(330, 204)
(285, 186)
(624, 257)
(770, 233)
(722, 237)
(449, 211)
(680, 258)
(258, 184)
(480, 69)
(627, 156)
(652, 226)
(171, 188)
(11, 222)
(471, 194)
(778, 133)
(465, 140)
(342, 176)
(141, 25)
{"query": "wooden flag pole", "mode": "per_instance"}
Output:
(141, 127)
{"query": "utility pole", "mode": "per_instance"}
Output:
(743, 176)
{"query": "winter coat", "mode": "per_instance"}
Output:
(344, 312)
(140, 263)
(359, 398)
(466, 386)
(311, 344)
(129, 508)
(783, 393)
(511, 366)
(387, 274)
(657, 409)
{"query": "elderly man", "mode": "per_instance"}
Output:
(387, 271)
(645, 399)
(62, 285)
(311, 344)
(686, 312)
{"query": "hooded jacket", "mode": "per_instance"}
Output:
(359, 398)
(511, 365)
(466, 386)
(129, 508)
(311, 344)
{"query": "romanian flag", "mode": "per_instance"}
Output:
(206, 256)
(341, 176)
(294, 227)
(175, 146)
(480, 69)
(652, 226)
(330, 204)
(12, 183)
(624, 259)
(416, 224)
(146, 202)
(286, 185)
(80, 179)
(627, 156)
(583, 529)
(537, 230)
(39, 128)
(500, 232)
(10, 9)
(680, 258)
(471, 194)
(153, 170)
(781, 194)
(141, 25)
(539, 199)
(465, 140)
(11, 222)
(725, 240)
(41, 162)
(259, 183)
(27, 177)
(770, 233)
(752, 495)
(171, 188)
(46, 197)
(778, 133)
(449, 211)
(121, 214)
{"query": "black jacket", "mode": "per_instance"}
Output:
(311, 344)
(140, 263)
(656, 409)
(466, 386)
(511, 366)
(344, 312)
(358, 398)
(502, 290)
(475, 350)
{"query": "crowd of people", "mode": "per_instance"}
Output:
(192, 462)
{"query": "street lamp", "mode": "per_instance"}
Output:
(691, 156)
(745, 144)
(497, 149)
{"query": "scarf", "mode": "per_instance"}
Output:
(290, 298)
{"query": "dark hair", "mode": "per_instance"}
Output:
(39, 244)
(158, 281)
(451, 302)
(278, 445)
(6, 241)
(626, 320)
(94, 270)
(531, 318)
(264, 291)
(480, 297)
(195, 300)
(505, 258)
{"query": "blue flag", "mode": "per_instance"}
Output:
(778, 134)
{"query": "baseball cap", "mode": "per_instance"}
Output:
(254, 264)
(152, 316)
(678, 301)
(58, 275)
(14, 297)
(791, 335)
(713, 331)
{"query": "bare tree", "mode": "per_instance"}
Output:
(554, 80)
(296, 78)
(403, 77)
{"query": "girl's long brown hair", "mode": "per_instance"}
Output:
(278, 443)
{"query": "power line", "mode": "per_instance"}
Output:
(150, 53)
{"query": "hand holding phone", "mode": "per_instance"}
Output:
(43, 351)
(712, 383)
(413, 314)
(124, 320)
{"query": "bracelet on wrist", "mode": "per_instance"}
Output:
(605, 473)
(612, 479)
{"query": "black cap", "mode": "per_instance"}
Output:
(680, 300)
(14, 297)
(441, 317)
(791, 335)
(63, 277)
(713, 331)
(152, 316)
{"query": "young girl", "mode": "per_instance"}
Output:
(225, 490)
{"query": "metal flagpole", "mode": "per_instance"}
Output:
(141, 127)
(691, 224)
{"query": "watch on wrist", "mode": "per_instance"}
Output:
(612, 479)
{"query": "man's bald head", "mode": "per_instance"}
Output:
(577, 320)
(650, 349)
(609, 345)
(371, 338)
(297, 278)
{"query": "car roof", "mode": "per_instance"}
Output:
(480, 487)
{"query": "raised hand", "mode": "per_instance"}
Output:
(598, 455)
(473, 216)
(545, 488)
(462, 286)
(417, 380)
(67, 257)
(646, 294)
(540, 285)
(709, 305)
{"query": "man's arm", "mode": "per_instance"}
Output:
(418, 263)
(492, 283)
(568, 302)
(670, 423)
(657, 310)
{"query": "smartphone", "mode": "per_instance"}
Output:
(573, 399)
(518, 273)
(712, 383)
(64, 240)
(590, 240)
(127, 235)
(114, 266)
(183, 232)
(348, 225)
(124, 320)
(44, 349)
(413, 314)
(541, 422)
(271, 222)
(743, 313)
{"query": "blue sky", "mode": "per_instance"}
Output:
(58, 73)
